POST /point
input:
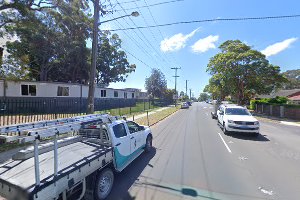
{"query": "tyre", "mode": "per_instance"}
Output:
(224, 129)
(148, 146)
(104, 184)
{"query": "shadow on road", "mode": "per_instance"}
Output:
(242, 136)
(125, 179)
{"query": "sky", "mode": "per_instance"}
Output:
(190, 46)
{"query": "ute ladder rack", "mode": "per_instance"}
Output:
(34, 132)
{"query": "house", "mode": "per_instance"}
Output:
(40, 89)
(293, 95)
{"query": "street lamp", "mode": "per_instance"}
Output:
(91, 94)
(133, 14)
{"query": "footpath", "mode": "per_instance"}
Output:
(149, 113)
(284, 121)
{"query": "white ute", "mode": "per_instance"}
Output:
(233, 118)
(71, 167)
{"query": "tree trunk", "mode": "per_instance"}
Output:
(43, 74)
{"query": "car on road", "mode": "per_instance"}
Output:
(184, 105)
(189, 103)
(233, 118)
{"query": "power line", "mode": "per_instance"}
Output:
(145, 63)
(155, 22)
(212, 20)
(151, 5)
(143, 35)
(140, 47)
(130, 1)
(152, 34)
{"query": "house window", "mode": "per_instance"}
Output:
(125, 95)
(28, 90)
(116, 94)
(132, 95)
(62, 91)
(103, 93)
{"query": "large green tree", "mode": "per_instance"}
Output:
(243, 72)
(203, 96)
(293, 77)
(52, 43)
(156, 84)
(112, 63)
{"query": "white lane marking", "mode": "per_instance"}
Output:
(227, 147)
(265, 191)
(204, 107)
(243, 158)
(230, 142)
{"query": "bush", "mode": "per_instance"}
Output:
(279, 101)
(270, 101)
(252, 104)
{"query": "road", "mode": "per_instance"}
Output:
(193, 159)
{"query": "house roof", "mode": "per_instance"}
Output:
(295, 98)
(280, 93)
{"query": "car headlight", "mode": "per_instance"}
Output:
(256, 123)
(230, 121)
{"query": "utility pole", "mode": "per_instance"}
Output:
(186, 87)
(190, 93)
(90, 108)
(176, 68)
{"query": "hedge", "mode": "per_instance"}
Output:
(277, 101)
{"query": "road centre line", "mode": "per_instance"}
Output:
(227, 147)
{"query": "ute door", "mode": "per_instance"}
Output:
(121, 146)
(136, 137)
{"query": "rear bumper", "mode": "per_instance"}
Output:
(244, 129)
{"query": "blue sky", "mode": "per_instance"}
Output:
(190, 46)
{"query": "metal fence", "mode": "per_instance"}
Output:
(22, 110)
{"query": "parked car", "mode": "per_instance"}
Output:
(189, 103)
(233, 118)
(184, 105)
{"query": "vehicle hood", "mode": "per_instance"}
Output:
(241, 118)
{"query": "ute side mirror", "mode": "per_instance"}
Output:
(141, 128)
(221, 112)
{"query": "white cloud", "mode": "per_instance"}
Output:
(278, 47)
(205, 44)
(176, 42)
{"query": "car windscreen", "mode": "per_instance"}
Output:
(236, 111)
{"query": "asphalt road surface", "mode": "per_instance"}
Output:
(193, 159)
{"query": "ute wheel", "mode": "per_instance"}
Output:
(224, 129)
(148, 146)
(104, 183)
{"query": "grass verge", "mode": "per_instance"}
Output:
(11, 145)
(156, 117)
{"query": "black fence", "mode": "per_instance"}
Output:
(22, 110)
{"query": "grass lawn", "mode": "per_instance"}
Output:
(156, 117)
(128, 111)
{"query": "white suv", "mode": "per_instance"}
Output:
(233, 118)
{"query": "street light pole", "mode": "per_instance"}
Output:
(90, 107)
(176, 68)
(186, 81)
(91, 94)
